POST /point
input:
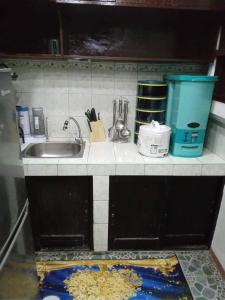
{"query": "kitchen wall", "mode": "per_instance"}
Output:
(68, 88)
(216, 143)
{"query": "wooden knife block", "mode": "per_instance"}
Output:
(98, 132)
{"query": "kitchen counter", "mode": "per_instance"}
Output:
(101, 160)
(105, 159)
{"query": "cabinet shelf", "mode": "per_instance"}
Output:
(30, 56)
(134, 59)
(99, 58)
(203, 5)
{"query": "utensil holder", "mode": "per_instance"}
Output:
(98, 132)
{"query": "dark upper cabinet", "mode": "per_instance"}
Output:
(138, 33)
(149, 212)
(114, 31)
(136, 213)
(61, 211)
(27, 26)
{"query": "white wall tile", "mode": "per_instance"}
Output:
(126, 83)
(31, 80)
(103, 78)
(79, 103)
(55, 127)
(100, 187)
(100, 237)
(215, 139)
(101, 212)
(32, 99)
(57, 104)
(55, 81)
(79, 81)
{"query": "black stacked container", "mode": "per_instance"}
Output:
(151, 103)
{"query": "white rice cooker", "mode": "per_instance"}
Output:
(154, 139)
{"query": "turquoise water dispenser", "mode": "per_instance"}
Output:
(188, 106)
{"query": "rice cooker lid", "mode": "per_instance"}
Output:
(153, 127)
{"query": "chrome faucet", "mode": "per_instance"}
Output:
(65, 127)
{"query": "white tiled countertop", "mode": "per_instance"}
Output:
(101, 159)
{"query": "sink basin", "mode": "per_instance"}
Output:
(57, 150)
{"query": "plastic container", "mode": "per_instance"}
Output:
(24, 119)
(147, 116)
(38, 122)
(152, 88)
(150, 103)
(188, 106)
(153, 140)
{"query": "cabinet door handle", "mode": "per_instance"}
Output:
(112, 216)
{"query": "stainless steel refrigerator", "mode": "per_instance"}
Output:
(18, 279)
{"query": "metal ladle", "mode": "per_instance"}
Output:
(125, 133)
(112, 129)
(120, 122)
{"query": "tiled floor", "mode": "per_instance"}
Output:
(201, 273)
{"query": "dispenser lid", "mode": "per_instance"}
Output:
(190, 78)
(152, 83)
(22, 108)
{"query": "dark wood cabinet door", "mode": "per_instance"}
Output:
(61, 211)
(124, 31)
(27, 26)
(135, 213)
(191, 211)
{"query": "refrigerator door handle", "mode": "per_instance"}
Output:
(14, 228)
(3, 261)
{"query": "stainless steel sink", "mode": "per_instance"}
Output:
(46, 150)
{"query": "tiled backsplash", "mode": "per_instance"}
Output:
(216, 143)
(215, 138)
(68, 88)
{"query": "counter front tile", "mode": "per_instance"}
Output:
(183, 166)
(212, 165)
(72, 169)
(42, 170)
(158, 166)
(101, 169)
